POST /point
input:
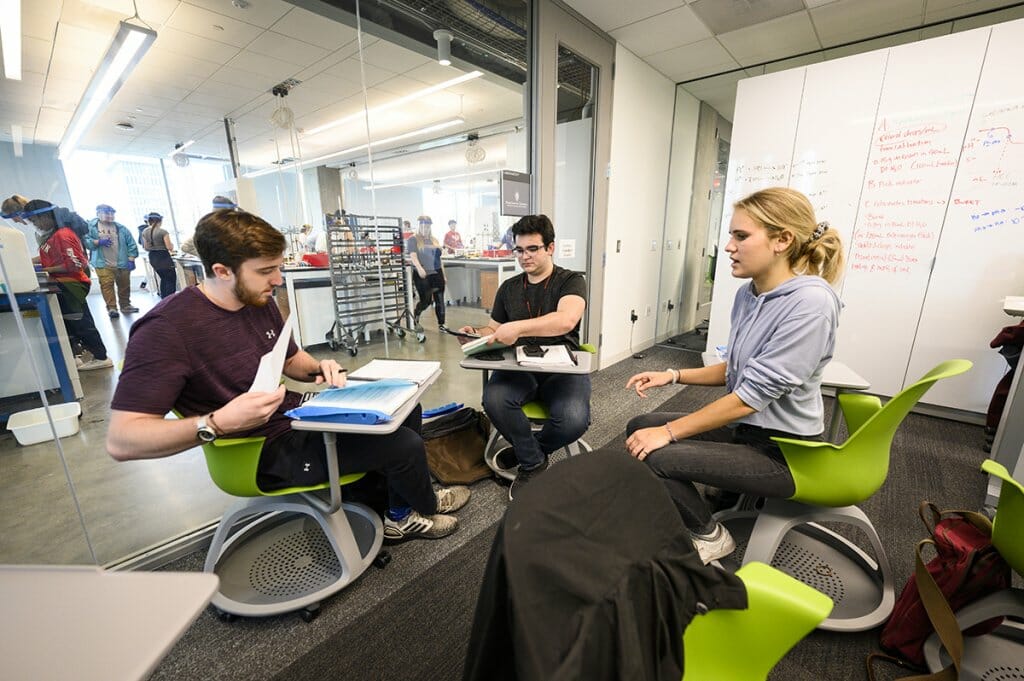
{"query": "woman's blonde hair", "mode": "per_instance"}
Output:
(14, 204)
(816, 248)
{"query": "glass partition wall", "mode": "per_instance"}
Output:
(313, 115)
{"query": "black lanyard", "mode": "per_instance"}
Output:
(526, 298)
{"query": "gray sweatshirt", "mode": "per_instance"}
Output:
(779, 344)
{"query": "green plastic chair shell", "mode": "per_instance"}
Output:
(744, 645)
(1008, 526)
(840, 475)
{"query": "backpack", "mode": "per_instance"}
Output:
(455, 446)
(965, 568)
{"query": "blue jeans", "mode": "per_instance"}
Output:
(567, 397)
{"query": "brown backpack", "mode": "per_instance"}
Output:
(455, 446)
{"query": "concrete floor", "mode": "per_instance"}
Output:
(127, 507)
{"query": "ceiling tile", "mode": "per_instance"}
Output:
(795, 62)
(848, 20)
(62, 94)
(204, 23)
(940, 10)
(875, 44)
(35, 54)
(773, 39)
(262, 13)
(129, 99)
(726, 16)
(693, 61)
(286, 49)
(662, 32)
(351, 70)
(179, 42)
(162, 64)
(314, 29)
(612, 15)
(264, 67)
(394, 58)
(1008, 14)
(39, 19)
(433, 73)
(150, 11)
(324, 88)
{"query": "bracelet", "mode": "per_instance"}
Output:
(213, 424)
(675, 375)
(670, 435)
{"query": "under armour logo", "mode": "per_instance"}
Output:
(305, 467)
(270, 334)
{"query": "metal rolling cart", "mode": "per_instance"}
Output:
(369, 279)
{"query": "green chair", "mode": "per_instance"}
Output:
(744, 645)
(830, 480)
(538, 413)
(299, 549)
(1000, 654)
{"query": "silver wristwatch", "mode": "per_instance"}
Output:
(203, 430)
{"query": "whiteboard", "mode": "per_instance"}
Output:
(760, 152)
(910, 153)
(981, 252)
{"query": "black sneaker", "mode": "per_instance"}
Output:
(506, 459)
(113, 314)
(523, 477)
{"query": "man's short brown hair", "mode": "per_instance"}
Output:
(230, 237)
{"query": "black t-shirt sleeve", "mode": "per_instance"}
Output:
(500, 312)
(574, 285)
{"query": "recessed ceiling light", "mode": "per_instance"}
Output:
(240, 4)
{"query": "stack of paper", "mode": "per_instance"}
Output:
(480, 345)
(416, 371)
(554, 356)
(362, 402)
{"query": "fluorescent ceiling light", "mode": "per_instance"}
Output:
(396, 102)
(10, 37)
(387, 140)
(16, 138)
(178, 148)
(432, 178)
(127, 49)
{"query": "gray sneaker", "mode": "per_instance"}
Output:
(714, 546)
(451, 499)
(416, 526)
(95, 364)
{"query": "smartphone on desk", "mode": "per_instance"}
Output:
(532, 350)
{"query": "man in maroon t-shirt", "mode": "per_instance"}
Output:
(198, 351)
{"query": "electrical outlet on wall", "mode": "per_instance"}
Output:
(654, 245)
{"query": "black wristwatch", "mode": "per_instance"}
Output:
(203, 430)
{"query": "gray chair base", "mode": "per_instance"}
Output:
(496, 443)
(787, 535)
(996, 655)
(292, 556)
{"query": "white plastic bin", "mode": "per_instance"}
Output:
(31, 427)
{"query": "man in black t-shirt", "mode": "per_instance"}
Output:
(543, 305)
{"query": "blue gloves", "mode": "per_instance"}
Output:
(104, 242)
(131, 265)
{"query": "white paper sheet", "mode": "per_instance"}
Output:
(268, 375)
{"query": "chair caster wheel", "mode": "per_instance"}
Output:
(310, 613)
(382, 559)
(226, 617)
(353, 351)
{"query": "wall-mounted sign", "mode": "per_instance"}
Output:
(515, 193)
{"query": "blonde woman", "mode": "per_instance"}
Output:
(783, 332)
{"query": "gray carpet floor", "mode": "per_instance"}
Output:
(411, 620)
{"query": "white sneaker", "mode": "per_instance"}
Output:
(451, 499)
(95, 364)
(714, 546)
(414, 526)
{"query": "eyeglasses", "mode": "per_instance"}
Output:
(519, 250)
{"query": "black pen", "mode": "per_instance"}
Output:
(572, 356)
(314, 374)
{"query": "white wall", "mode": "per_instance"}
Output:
(642, 110)
(677, 219)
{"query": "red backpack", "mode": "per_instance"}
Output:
(965, 568)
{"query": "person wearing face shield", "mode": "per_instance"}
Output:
(65, 217)
(428, 273)
(61, 256)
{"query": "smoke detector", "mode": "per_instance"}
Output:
(180, 160)
(474, 152)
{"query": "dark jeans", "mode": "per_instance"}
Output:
(297, 458)
(567, 397)
(168, 282)
(430, 290)
(743, 459)
(74, 308)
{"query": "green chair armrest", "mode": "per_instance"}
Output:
(587, 347)
(857, 409)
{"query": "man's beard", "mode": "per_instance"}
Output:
(248, 297)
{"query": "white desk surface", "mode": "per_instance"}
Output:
(583, 360)
(83, 623)
(835, 375)
(1014, 305)
(374, 429)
